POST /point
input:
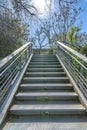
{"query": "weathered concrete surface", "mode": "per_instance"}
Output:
(46, 123)
(52, 113)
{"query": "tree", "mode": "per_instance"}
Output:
(24, 7)
(72, 34)
(12, 33)
(39, 40)
(66, 14)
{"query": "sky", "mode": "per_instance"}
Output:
(83, 15)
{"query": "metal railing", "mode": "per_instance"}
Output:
(11, 67)
(76, 64)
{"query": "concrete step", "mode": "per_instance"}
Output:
(45, 69)
(46, 92)
(45, 74)
(57, 109)
(30, 102)
(44, 63)
(64, 122)
(38, 56)
(52, 80)
(45, 66)
(46, 96)
(53, 87)
(45, 60)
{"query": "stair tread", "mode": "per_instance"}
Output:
(54, 61)
(47, 94)
(45, 59)
(46, 84)
(47, 123)
(50, 87)
(44, 68)
(45, 62)
(45, 78)
(48, 107)
(47, 102)
(46, 65)
(46, 72)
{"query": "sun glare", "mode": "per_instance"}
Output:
(41, 6)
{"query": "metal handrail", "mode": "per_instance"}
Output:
(73, 51)
(8, 58)
(76, 64)
(11, 67)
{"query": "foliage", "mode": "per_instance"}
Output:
(75, 39)
(12, 33)
(83, 50)
(72, 34)
(66, 15)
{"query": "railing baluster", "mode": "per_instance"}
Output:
(10, 67)
(76, 64)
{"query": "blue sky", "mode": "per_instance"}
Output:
(83, 15)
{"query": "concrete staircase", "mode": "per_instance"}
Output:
(45, 91)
